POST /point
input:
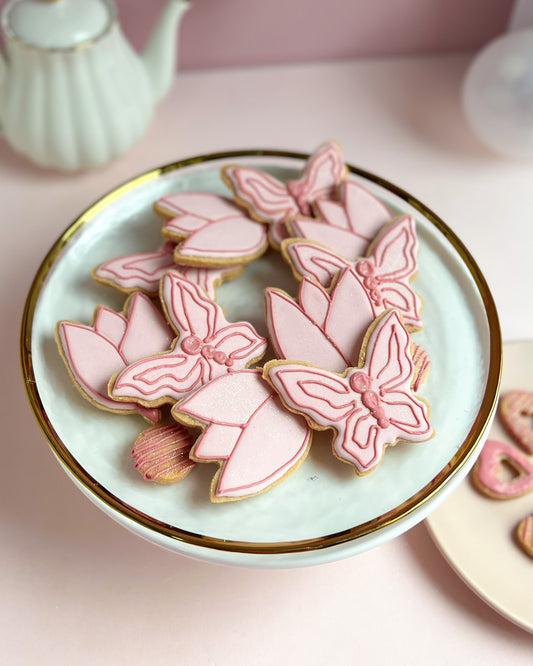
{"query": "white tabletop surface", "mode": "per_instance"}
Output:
(78, 589)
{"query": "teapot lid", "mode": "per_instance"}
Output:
(57, 24)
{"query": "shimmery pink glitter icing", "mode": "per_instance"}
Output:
(348, 226)
(488, 467)
(330, 327)
(256, 441)
(386, 271)
(269, 200)
(370, 407)
(207, 345)
(211, 229)
(95, 353)
(358, 211)
(161, 454)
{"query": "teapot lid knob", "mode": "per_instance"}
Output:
(57, 24)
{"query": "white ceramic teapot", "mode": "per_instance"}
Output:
(73, 93)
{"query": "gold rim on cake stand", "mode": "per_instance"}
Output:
(416, 501)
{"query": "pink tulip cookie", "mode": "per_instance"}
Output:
(210, 231)
(161, 454)
(207, 346)
(348, 226)
(269, 200)
(144, 270)
(246, 430)
(502, 471)
(368, 407)
(93, 354)
(516, 411)
(317, 330)
(386, 271)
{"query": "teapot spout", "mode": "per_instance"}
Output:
(159, 56)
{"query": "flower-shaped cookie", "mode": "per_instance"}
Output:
(318, 330)
(247, 432)
(206, 346)
(210, 231)
(93, 354)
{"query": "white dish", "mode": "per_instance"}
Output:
(475, 533)
(321, 512)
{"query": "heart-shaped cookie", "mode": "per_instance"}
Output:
(516, 411)
(524, 534)
(488, 474)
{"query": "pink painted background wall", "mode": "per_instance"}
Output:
(219, 33)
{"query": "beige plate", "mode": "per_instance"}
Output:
(475, 533)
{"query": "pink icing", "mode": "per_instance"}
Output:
(270, 200)
(232, 238)
(487, 469)
(369, 407)
(264, 196)
(246, 428)
(516, 409)
(359, 211)
(211, 230)
(422, 366)
(199, 205)
(385, 272)
(311, 259)
(318, 330)
(138, 271)
(341, 241)
(322, 174)
(207, 346)
(277, 233)
(163, 452)
(95, 353)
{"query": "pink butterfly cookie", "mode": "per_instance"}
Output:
(368, 407)
(210, 231)
(206, 346)
(255, 441)
(269, 200)
(386, 271)
(347, 227)
(143, 272)
(488, 471)
(93, 354)
(324, 329)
